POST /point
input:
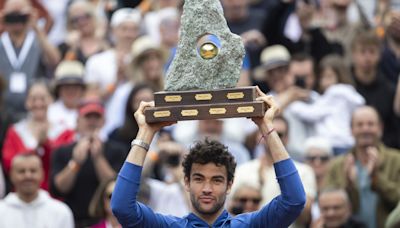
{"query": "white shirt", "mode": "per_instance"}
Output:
(248, 173)
(331, 113)
(42, 212)
(101, 69)
(58, 114)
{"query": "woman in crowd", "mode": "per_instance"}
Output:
(35, 134)
(84, 37)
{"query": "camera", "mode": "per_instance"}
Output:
(15, 18)
(300, 81)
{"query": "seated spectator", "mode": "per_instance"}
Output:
(35, 133)
(100, 205)
(78, 168)
(106, 70)
(336, 211)
(83, 39)
(69, 90)
(36, 54)
(330, 113)
(146, 67)
(369, 172)
(127, 132)
(246, 198)
(373, 85)
(29, 206)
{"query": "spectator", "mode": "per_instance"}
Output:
(146, 67)
(78, 168)
(373, 85)
(330, 113)
(29, 206)
(389, 61)
(295, 30)
(35, 55)
(58, 11)
(83, 38)
(127, 132)
(69, 90)
(246, 198)
(6, 118)
(209, 171)
(105, 70)
(336, 211)
(318, 153)
(263, 174)
(35, 133)
(369, 171)
(100, 205)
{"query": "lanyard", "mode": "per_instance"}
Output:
(16, 62)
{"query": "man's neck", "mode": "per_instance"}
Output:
(365, 77)
(361, 154)
(28, 198)
(18, 38)
(123, 47)
(209, 218)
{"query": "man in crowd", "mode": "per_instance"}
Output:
(29, 206)
(77, 169)
(369, 172)
(209, 171)
(25, 53)
(335, 208)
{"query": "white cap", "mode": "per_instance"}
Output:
(319, 143)
(126, 15)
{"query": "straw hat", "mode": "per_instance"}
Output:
(272, 57)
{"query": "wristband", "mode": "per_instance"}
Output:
(140, 143)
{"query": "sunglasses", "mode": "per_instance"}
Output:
(83, 17)
(244, 200)
(322, 158)
(108, 195)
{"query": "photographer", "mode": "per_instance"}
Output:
(25, 52)
(77, 169)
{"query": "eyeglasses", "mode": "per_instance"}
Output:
(85, 16)
(322, 158)
(244, 200)
(108, 195)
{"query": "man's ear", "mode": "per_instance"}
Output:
(187, 184)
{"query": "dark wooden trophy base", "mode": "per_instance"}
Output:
(205, 104)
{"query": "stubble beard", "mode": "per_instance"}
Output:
(215, 208)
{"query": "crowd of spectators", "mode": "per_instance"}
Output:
(73, 72)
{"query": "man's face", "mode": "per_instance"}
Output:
(305, 70)
(71, 94)
(16, 9)
(365, 57)
(366, 127)
(208, 187)
(335, 210)
(235, 10)
(126, 32)
(26, 175)
(90, 123)
(249, 198)
(277, 78)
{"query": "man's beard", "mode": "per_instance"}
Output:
(216, 207)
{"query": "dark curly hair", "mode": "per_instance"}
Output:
(208, 151)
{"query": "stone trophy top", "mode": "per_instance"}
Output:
(209, 56)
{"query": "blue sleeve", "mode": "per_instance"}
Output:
(285, 208)
(126, 209)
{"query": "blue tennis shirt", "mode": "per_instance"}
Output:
(280, 212)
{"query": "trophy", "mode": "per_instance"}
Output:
(201, 80)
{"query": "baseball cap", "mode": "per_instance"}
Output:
(272, 57)
(91, 106)
(125, 15)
